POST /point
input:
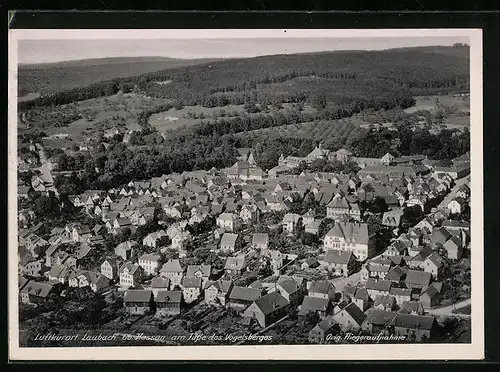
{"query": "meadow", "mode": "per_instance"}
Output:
(191, 115)
(103, 113)
(432, 103)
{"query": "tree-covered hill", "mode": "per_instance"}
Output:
(405, 71)
(48, 78)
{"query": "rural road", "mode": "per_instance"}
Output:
(46, 168)
(453, 192)
(448, 310)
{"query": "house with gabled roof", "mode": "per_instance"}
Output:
(150, 263)
(350, 318)
(242, 297)
(217, 292)
(317, 305)
(235, 265)
(320, 332)
(431, 295)
(110, 268)
(228, 221)
(125, 249)
(321, 288)
(267, 309)
(415, 327)
(379, 321)
(35, 293)
(130, 274)
(85, 278)
(457, 205)
(157, 284)
(173, 270)
(439, 237)
(378, 267)
(357, 295)
(168, 303)
(454, 248)
(433, 264)
(351, 236)
(377, 287)
(396, 274)
(340, 209)
(384, 302)
(29, 265)
(417, 279)
(191, 288)
(292, 288)
(138, 301)
(412, 307)
(59, 273)
(200, 271)
(338, 262)
(181, 240)
(228, 242)
(290, 221)
(397, 248)
(152, 239)
(401, 295)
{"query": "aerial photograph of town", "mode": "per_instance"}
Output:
(243, 192)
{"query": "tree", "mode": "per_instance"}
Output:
(251, 107)
(411, 216)
(378, 205)
(309, 239)
(47, 206)
(325, 226)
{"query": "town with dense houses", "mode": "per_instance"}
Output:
(244, 250)
(304, 198)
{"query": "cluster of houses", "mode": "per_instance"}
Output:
(397, 287)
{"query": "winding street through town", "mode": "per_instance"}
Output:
(46, 168)
(453, 192)
(448, 310)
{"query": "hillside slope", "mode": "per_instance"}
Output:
(46, 78)
(417, 71)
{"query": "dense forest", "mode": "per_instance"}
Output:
(152, 155)
(335, 86)
(218, 83)
(448, 144)
(49, 78)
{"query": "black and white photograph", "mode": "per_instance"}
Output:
(247, 193)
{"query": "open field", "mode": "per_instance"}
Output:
(101, 113)
(190, 115)
(457, 122)
(432, 103)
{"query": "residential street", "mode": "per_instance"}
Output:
(448, 310)
(46, 168)
(453, 192)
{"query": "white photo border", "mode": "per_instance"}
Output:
(473, 350)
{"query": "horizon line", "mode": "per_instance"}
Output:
(236, 57)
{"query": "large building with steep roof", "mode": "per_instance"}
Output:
(354, 237)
